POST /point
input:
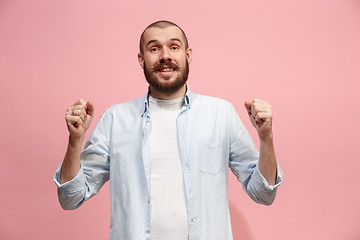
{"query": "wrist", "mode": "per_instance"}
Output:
(266, 139)
(75, 141)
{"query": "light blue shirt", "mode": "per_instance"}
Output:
(211, 139)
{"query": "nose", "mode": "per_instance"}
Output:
(165, 56)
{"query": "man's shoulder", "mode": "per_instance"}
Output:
(132, 106)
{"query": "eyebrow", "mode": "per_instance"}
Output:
(172, 39)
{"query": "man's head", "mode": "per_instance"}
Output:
(165, 56)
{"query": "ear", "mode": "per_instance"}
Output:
(141, 60)
(189, 52)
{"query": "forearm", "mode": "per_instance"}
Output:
(71, 164)
(267, 160)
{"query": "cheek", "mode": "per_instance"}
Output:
(150, 59)
(183, 61)
(183, 58)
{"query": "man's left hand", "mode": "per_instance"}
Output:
(260, 114)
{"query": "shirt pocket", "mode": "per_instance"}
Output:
(212, 156)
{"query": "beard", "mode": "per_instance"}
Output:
(166, 87)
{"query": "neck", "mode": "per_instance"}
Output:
(167, 96)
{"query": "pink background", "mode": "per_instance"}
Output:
(302, 56)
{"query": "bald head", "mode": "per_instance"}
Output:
(161, 24)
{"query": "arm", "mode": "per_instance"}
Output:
(78, 119)
(260, 114)
(80, 176)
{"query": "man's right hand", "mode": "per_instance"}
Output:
(78, 118)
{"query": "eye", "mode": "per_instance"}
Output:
(154, 49)
(174, 47)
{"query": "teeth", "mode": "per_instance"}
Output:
(167, 69)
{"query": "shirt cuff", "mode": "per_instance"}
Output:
(74, 185)
(260, 182)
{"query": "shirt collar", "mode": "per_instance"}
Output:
(187, 103)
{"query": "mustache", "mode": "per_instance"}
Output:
(166, 63)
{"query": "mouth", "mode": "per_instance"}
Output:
(166, 69)
(165, 72)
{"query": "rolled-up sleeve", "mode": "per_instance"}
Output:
(71, 194)
(260, 190)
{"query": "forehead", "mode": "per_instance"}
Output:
(163, 34)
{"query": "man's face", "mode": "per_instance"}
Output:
(165, 59)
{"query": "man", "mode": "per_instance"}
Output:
(167, 154)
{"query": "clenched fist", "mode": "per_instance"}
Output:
(78, 118)
(260, 114)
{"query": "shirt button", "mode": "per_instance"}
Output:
(147, 229)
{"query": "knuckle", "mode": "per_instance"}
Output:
(78, 119)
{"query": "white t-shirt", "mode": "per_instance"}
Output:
(167, 192)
